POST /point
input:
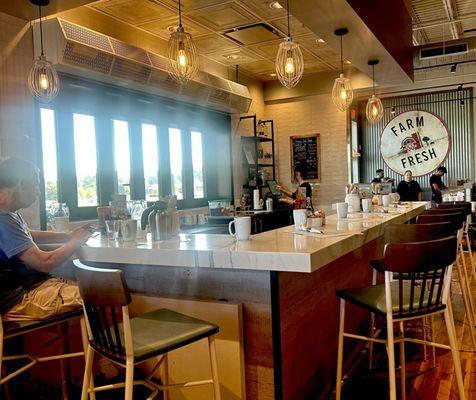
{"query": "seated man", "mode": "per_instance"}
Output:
(27, 290)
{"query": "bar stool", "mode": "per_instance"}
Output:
(468, 212)
(11, 329)
(406, 233)
(456, 219)
(403, 299)
(135, 340)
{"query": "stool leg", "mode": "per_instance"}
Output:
(213, 362)
(467, 307)
(84, 338)
(470, 251)
(87, 372)
(371, 344)
(391, 357)
(466, 283)
(129, 378)
(455, 354)
(62, 330)
(165, 375)
(425, 352)
(402, 363)
(433, 348)
(340, 349)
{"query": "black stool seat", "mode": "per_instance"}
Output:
(160, 331)
(13, 328)
(372, 298)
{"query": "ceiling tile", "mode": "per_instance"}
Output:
(161, 27)
(223, 16)
(212, 43)
(133, 12)
(234, 57)
(259, 67)
(297, 27)
(263, 9)
(191, 5)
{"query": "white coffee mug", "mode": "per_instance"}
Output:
(129, 230)
(342, 210)
(300, 218)
(242, 228)
(367, 205)
(385, 200)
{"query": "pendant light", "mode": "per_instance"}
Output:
(43, 79)
(183, 57)
(374, 109)
(342, 93)
(289, 60)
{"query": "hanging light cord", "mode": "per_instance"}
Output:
(373, 78)
(341, 57)
(289, 24)
(41, 31)
(180, 13)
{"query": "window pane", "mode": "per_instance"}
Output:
(50, 168)
(175, 147)
(85, 159)
(151, 161)
(197, 163)
(122, 157)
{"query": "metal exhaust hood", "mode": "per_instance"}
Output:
(83, 52)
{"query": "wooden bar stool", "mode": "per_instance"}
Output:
(405, 233)
(468, 212)
(402, 299)
(11, 329)
(135, 340)
(456, 219)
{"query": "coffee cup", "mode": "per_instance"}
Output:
(300, 218)
(385, 200)
(367, 205)
(342, 210)
(242, 228)
(129, 230)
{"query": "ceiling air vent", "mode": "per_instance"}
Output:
(443, 51)
(86, 53)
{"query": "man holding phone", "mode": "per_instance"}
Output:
(27, 290)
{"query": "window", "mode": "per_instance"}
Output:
(197, 165)
(122, 157)
(85, 159)
(151, 161)
(175, 148)
(99, 140)
(50, 168)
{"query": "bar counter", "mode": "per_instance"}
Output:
(284, 284)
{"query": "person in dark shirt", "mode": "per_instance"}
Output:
(378, 176)
(300, 175)
(409, 189)
(437, 185)
(27, 290)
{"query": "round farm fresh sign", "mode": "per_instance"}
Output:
(418, 141)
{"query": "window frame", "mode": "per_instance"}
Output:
(136, 108)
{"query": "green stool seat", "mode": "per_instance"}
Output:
(372, 298)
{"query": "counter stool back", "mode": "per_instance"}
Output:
(406, 299)
(129, 341)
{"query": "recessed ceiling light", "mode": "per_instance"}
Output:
(171, 29)
(347, 62)
(320, 40)
(233, 56)
(275, 5)
(272, 75)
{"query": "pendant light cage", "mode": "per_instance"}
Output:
(289, 63)
(374, 108)
(43, 80)
(342, 92)
(182, 56)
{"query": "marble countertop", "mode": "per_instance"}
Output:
(281, 249)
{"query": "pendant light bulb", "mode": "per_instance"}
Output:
(289, 60)
(374, 109)
(342, 92)
(182, 52)
(43, 80)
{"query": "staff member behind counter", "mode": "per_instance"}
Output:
(300, 175)
(437, 185)
(409, 189)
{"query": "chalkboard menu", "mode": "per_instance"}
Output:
(307, 149)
